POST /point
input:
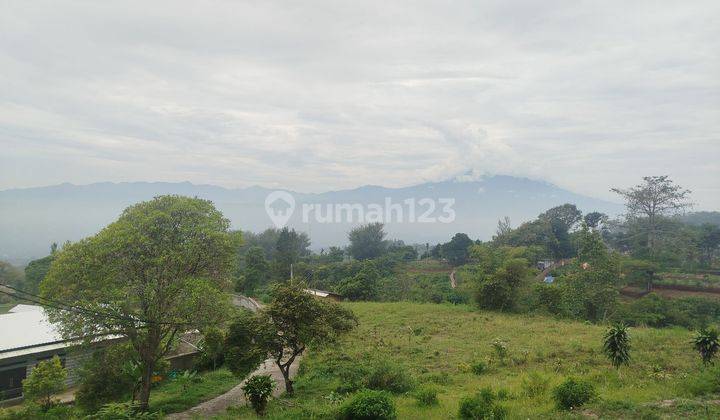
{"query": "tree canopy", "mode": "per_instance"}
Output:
(367, 241)
(156, 272)
(293, 321)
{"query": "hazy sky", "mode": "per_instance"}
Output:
(314, 96)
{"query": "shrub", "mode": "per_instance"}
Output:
(501, 349)
(573, 393)
(368, 405)
(616, 345)
(123, 411)
(482, 405)
(479, 368)
(257, 390)
(107, 376)
(707, 344)
(387, 376)
(46, 379)
(535, 384)
(426, 396)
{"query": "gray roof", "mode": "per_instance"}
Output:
(26, 326)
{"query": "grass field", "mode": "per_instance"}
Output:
(438, 344)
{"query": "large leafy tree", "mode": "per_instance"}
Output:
(655, 198)
(289, 248)
(708, 241)
(589, 289)
(364, 285)
(256, 272)
(457, 250)
(36, 270)
(156, 272)
(367, 241)
(292, 322)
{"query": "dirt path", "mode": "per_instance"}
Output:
(453, 283)
(235, 396)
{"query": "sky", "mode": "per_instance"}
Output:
(316, 96)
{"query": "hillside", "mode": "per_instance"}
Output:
(438, 345)
(33, 218)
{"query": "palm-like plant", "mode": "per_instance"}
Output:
(706, 342)
(617, 345)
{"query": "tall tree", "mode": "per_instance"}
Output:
(708, 241)
(367, 241)
(293, 321)
(656, 197)
(256, 272)
(156, 272)
(36, 270)
(457, 250)
(566, 216)
(290, 247)
(594, 219)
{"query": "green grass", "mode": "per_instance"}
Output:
(170, 397)
(4, 307)
(438, 344)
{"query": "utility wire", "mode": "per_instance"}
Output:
(80, 310)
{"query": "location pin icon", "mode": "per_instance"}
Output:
(279, 206)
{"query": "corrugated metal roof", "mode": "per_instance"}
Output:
(26, 327)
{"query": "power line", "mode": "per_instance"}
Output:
(80, 310)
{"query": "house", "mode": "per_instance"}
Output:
(325, 295)
(27, 338)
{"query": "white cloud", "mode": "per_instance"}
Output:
(586, 95)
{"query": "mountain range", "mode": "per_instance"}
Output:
(33, 218)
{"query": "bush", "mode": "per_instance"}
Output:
(108, 376)
(257, 390)
(483, 405)
(123, 411)
(573, 393)
(387, 376)
(535, 384)
(426, 396)
(479, 368)
(368, 405)
(46, 379)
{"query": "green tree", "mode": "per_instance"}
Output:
(10, 276)
(367, 241)
(567, 216)
(594, 219)
(499, 291)
(706, 342)
(708, 242)
(256, 273)
(456, 251)
(589, 290)
(156, 272)
(46, 379)
(616, 345)
(36, 270)
(212, 346)
(656, 197)
(107, 376)
(365, 285)
(293, 321)
(290, 247)
(257, 390)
